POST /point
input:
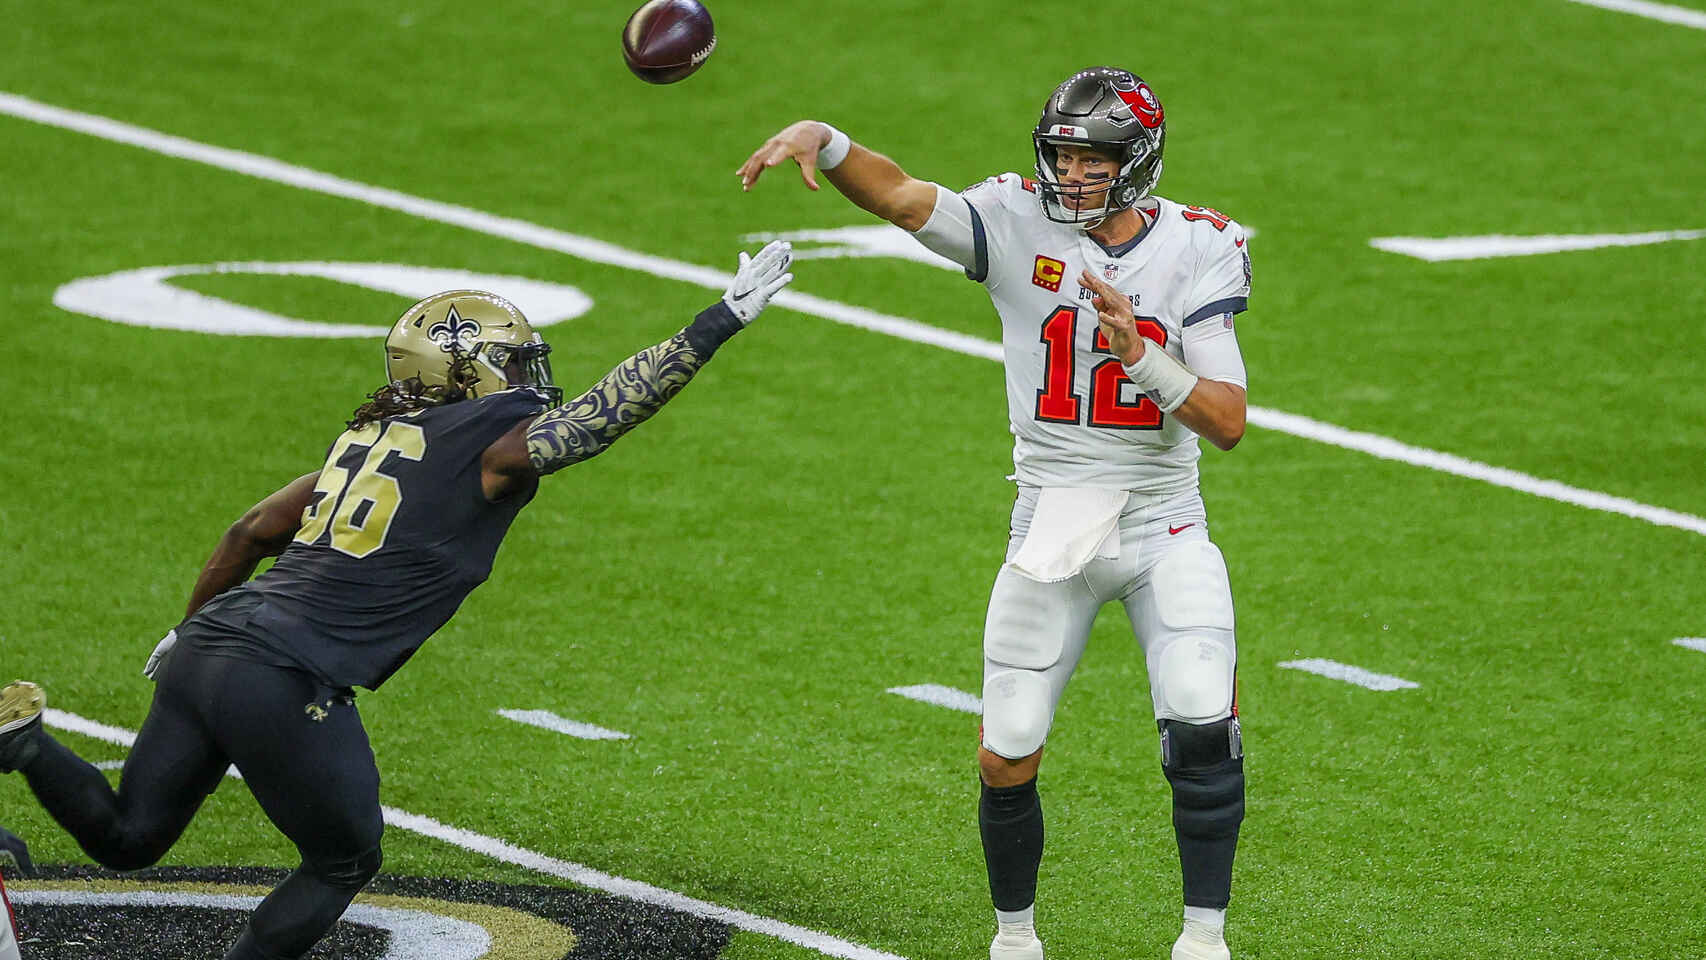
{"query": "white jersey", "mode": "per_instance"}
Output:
(1077, 420)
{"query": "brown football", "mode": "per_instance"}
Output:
(666, 40)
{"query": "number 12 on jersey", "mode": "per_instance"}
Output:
(1058, 400)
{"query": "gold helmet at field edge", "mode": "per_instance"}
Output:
(490, 331)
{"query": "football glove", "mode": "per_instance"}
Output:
(15, 850)
(758, 279)
(161, 649)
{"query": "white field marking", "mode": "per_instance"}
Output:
(1349, 674)
(415, 934)
(1653, 11)
(598, 251)
(109, 765)
(546, 720)
(1437, 249)
(584, 876)
(1389, 449)
(1692, 643)
(938, 695)
(143, 298)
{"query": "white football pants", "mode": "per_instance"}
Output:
(1172, 581)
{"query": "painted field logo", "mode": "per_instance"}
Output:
(78, 912)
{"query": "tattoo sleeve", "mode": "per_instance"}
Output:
(627, 396)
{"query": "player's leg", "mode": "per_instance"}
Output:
(8, 926)
(172, 767)
(1033, 637)
(305, 755)
(1182, 613)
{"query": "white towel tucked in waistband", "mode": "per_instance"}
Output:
(1071, 526)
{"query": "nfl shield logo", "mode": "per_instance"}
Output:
(1111, 270)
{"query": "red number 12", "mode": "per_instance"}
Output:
(1058, 401)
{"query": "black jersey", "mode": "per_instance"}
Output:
(399, 534)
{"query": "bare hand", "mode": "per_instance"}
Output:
(800, 142)
(1113, 312)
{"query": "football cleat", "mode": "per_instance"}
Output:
(1016, 941)
(1197, 942)
(21, 704)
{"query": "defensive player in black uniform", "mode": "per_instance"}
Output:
(376, 550)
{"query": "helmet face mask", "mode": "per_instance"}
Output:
(476, 337)
(1114, 113)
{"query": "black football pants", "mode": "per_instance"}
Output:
(303, 753)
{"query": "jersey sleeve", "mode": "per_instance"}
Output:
(954, 230)
(1211, 350)
(1223, 277)
(997, 208)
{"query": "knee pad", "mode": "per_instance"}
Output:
(1017, 710)
(1193, 598)
(1193, 679)
(347, 873)
(1027, 621)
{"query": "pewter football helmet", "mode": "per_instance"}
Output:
(1109, 110)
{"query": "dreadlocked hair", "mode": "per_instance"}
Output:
(408, 395)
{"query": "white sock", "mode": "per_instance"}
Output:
(1208, 919)
(1026, 917)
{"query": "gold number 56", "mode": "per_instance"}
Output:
(342, 496)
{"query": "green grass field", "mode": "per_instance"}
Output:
(820, 516)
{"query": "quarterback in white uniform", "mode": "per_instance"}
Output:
(1116, 311)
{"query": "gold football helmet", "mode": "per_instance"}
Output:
(429, 338)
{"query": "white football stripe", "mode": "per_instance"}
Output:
(599, 251)
(1682, 16)
(938, 695)
(546, 720)
(1349, 674)
(415, 934)
(1692, 643)
(1437, 249)
(497, 849)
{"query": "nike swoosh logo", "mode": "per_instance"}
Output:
(1238, 242)
(1174, 531)
(743, 296)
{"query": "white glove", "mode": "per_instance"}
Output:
(758, 279)
(160, 650)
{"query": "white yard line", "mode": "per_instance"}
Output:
(546, 720)
(598, 251)
(1682, 16)
(1438, 249)
(584, 876)
(937, 695)
(1335, 670)
(1692, 643)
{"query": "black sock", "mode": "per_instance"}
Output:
(1011, 821)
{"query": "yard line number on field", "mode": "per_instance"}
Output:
(599, 251)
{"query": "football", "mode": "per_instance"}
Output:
(667, 40)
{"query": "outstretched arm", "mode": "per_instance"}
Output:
(872, 181)
(637, 388)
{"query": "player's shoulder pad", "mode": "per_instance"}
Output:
(1009, 190)
(1208, 229)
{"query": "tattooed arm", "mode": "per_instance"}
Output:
(585, 426)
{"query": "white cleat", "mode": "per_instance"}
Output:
(1016, 941)
(1198, 942)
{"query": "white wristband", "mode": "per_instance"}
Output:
(835, 151)
(1167, 381)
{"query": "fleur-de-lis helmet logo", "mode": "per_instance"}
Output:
(453, 330)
